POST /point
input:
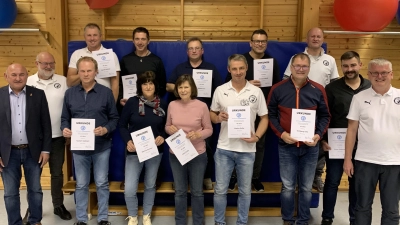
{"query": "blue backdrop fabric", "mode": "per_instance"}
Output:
(174, 53)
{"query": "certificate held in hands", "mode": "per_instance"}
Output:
(239, 122)
(303, 125)
(203, 80)
(129, 85)
(181, 147)
(263, 71)
(145, 144)
(82, 134)
(336, 140)
(106, 63)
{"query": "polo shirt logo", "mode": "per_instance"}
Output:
(57, 85)
(325, 62)
(397, 100)
(244, 102)
(253, 98)
(369, 102)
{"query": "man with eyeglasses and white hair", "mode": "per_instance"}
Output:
(258, 45)
(297, 159)
(374, 118)
(323, 70)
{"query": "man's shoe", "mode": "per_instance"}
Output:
(132, 220)
(104, 222)
(146, 219)
(80, 223)
(62, 212)
(258, 186)
(25, 219)
(232, 184)
(327, 222)
(318, 184)
(288, 223)
(207, 184)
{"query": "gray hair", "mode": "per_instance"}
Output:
(236, 57)
(380, 62)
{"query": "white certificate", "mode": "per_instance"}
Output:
(263, 71)
(106, 63)
(303, 124)
(336, 139)
(145, 144)
(239, 122)
(203, 80)
(181, 147)
(82, 134)
(129, 85)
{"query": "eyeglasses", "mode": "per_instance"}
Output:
(191, 49)
(383, 74)
(259, 42)
(46, 63)
(298, 67)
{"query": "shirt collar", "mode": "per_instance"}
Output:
(188, 65)
(53, 78)
(246, 87)
(322, 52)
(10, 91)
(87, 50)
(95, 87)
(388, 93)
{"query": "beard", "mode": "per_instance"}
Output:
(351, 74)
(46, 73)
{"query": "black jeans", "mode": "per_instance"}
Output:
(56, 162)
(367, 176)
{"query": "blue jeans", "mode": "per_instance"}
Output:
(82, 165)
(133, 169)
(11, 176)
(225, 161)
(334, 172)
(297, 164)
(194, 171)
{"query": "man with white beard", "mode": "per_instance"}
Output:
(54, 87)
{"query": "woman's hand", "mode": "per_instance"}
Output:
(172, 129)
(159, 140)
(130, 146)
(193, 135)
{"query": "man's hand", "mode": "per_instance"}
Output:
(67, 133)
(130, 146)
(314, 142)
(159, 140)
(287, 139)
(44, 158)
(172, 129)
(123, 101)
(1, 165)
(348, 167)
(193, 135)
(256, 83)
(223, 116)
(325, 146)
(100, 131)
(252, 139)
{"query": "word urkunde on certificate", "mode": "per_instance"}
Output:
(303, 124)
(129, 85)
(82, 134)
(263, 71)
(145, 144)
(181, 147)
(239, 122)
(106, 63)
(336, 140)
(203, 81)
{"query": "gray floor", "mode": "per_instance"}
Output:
(50, 219)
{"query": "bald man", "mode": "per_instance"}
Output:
(25, 141)
(54, 86)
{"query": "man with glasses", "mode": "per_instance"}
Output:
(258, 45)
(54, 86)
(297, 159)
(195, 53)
(374, 119)
(323, 70)
(339, 93)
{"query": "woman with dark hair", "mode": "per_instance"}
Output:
(192, 116)
(145, 109)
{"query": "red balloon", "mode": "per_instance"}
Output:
(364, 15)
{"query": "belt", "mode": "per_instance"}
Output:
(20, 146)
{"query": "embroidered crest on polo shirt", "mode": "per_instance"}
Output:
(57, 85)
(253, 98)
(325, 62)
(244, 102)
(397, 100)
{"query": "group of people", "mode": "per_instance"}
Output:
(37, 122)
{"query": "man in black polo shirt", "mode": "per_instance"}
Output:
(340, 93)
(258, 44)
(195, 53)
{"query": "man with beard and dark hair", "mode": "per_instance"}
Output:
(340, 93)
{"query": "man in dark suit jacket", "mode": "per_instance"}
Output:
(25, 140)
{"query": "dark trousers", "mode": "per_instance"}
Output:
(366, 179)
(320, 163)
(210, 156)
(56, 162)
(334, 172)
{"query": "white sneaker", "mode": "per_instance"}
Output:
(146, 220)
(132, 220)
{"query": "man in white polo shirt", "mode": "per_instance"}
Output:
(54, 86)
(323, 70)
(92, 35)
(374, 114)
(238, 153)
